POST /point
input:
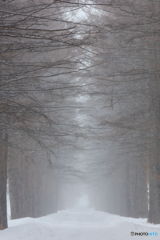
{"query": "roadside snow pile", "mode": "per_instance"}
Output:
(74, 225)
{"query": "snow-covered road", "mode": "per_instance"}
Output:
(79, 225)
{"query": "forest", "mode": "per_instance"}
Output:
(80, 107)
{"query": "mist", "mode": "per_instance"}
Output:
(79, 117)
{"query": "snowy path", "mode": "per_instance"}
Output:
(85, 225)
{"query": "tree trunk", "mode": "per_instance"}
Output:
(154, 193)
(154, 181)
(3, 180)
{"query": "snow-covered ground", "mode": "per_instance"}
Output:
(79, 223)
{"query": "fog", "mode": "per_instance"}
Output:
(79, 109)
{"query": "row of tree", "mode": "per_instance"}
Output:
(129, 50)
(37, 58)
